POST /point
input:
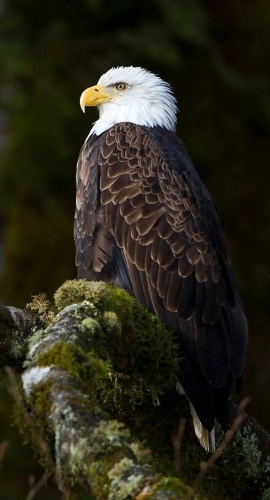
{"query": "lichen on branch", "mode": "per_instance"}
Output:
(99, 380)
(68, 368)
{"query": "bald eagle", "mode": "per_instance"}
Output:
(145, 222)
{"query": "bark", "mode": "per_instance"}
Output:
(100, 378)
(17, 326)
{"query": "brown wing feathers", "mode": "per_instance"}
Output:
(152, 222)
(140, 187)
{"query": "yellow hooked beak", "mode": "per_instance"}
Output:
(94, 96)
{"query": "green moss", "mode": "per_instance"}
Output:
(74, 291)
(112, 324)
(34, 426)
(127, 361)
(144, 355)
(84, 366)
(40, 402)
(122, 304)
(91, 324)
(145, 341)
(131, 361)
(83, 309)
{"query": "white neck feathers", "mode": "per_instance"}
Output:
(148, 101)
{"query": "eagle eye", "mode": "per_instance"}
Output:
(121, 86)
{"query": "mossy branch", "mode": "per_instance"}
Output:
(69, 366)
(100, 379)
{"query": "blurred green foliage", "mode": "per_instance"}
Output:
(216, 56)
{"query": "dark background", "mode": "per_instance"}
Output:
(216, 55)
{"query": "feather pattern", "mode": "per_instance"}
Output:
(145, 221)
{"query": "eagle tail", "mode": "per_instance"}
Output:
(206, 438)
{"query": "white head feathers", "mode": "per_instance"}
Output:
(144, 100)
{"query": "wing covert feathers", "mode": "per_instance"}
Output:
(140, 186)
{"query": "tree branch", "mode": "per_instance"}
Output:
(91, 449)
(100, 379)
(17, 326)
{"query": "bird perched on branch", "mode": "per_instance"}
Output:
(145, 221)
